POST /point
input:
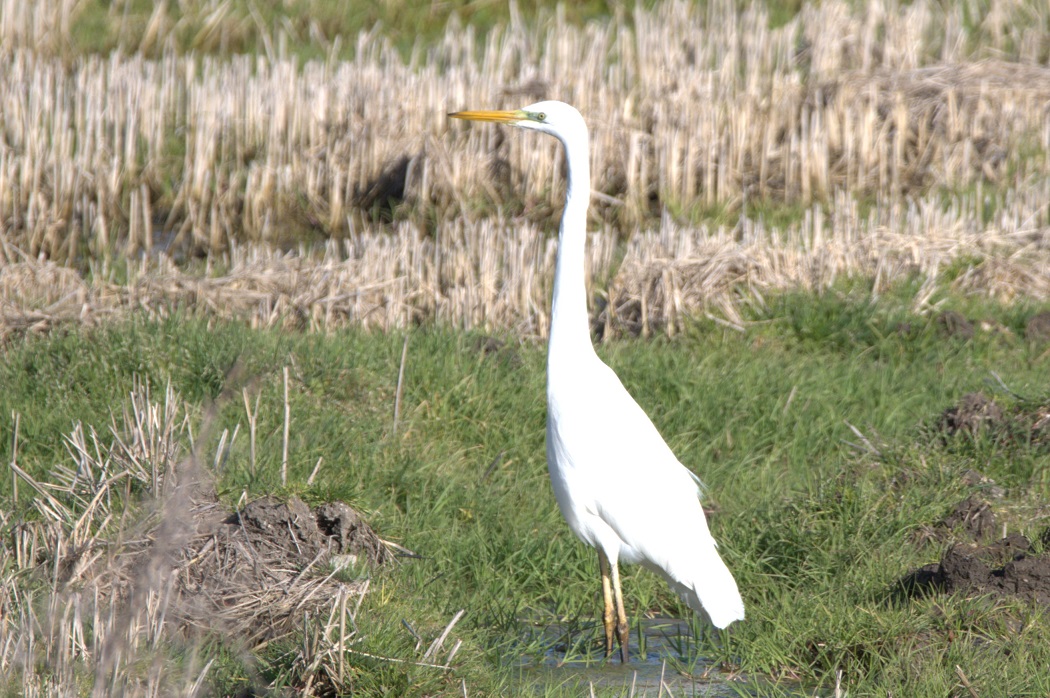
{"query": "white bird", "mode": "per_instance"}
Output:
(618, 484)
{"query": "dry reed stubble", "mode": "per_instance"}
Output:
(494, 275)
(688, 109)
(133, 562)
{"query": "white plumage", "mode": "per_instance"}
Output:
(618, 484)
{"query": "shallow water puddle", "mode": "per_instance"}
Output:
(663, 651)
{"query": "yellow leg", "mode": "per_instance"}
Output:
(607, 597)
(622, 629)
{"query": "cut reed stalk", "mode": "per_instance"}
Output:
(495, 274)
(689, 109)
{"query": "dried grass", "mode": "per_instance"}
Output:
(497, 274)
(673, 273)
(687, 108)
(130, 564)
(892, 104)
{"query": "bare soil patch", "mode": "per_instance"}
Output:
(979, 565)
(1008, 566)
(979, 558)
(973, 516)
(973, 412)
(1027, 422)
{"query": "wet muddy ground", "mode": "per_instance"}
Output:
(664, 662)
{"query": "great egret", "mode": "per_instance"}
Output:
(619, 486)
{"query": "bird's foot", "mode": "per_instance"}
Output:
(623, 632)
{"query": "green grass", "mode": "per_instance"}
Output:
(817, 531)
(310, 27)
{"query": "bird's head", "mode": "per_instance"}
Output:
(556, 118)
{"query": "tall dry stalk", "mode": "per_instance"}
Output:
(688, 108)
(497, 274)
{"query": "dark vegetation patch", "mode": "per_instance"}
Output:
(974, 412)
(1037, 329)
(980, 558)
(386, 191)
(1026, 423)
(952, 323)
(497, 349)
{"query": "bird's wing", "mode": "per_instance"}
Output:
(645, 493)
(652, 503)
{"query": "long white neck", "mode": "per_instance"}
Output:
(570, 324)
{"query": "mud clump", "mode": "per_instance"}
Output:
(1025, 424)
(973, 516)
(350, 534)
(252, 571)
(1005, 567)
(974, 412)
(1008, 566)
(301, 532)
(294, 527)
(285, 525)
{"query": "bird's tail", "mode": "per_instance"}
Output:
(707, 585)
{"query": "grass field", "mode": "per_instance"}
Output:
(818, 523)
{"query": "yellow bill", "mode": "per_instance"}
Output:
(504, 117)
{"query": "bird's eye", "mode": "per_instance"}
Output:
(541, 117)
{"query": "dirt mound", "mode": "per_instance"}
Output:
(973, 516)
(351, 534)
(1007, 566)
(248, 571)
(130, 569)
(285, 525)
(974, 412)
(1026, 423)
